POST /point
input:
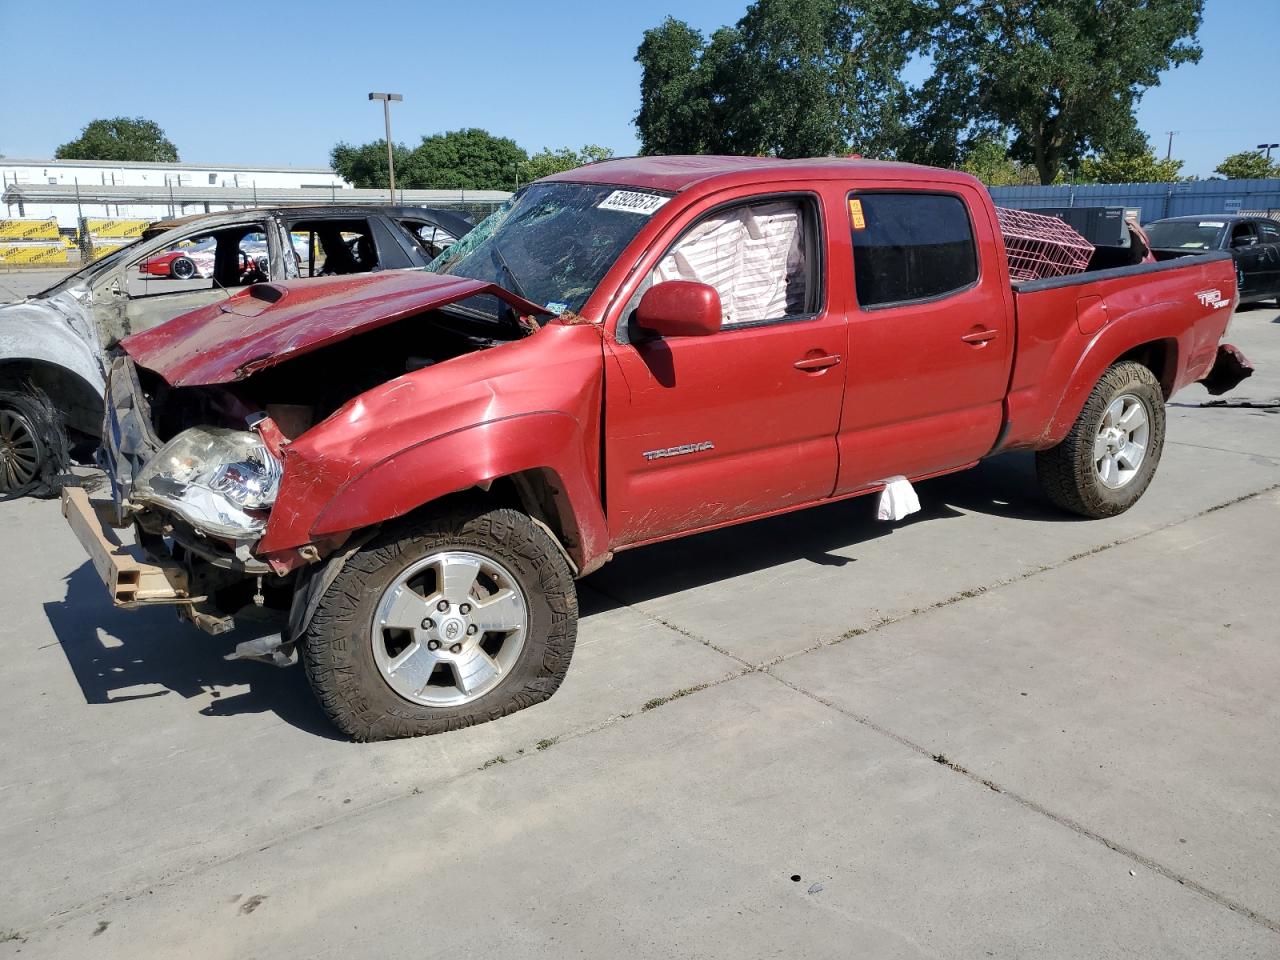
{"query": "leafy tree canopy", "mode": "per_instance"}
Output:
(1130, 166)
(1063, 75)
(471, 159)
(1247, 165)
(365, 165)
(792, 78)
(547, 161)
(812, 77)
(988, 160)
(120, 138)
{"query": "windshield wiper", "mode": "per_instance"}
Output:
(505, 267)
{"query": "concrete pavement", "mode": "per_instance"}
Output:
(987, 731)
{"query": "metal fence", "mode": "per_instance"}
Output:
(1156, 200)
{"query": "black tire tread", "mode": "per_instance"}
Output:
(1065, 472)
(339, 624)
(39, 410)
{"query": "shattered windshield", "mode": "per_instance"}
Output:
(552, 242)
(1186, 234)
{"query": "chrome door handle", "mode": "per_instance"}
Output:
(818, 363)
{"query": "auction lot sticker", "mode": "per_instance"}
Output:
(628, 201)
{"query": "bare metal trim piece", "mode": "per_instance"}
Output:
(679, 451)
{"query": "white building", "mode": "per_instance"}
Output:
(51, 188)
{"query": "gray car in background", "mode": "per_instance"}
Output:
(52, 345)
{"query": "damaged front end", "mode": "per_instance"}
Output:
(197, 432)
(196, 505)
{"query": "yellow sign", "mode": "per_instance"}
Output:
(102, 249)
(855, 215)
(33, 253)
(29, 229)
(116, 229)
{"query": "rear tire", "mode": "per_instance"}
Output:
(33, 443)
(1105, 464)
(397, 649)
(182, 268)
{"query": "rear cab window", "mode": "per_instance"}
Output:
(910, 247)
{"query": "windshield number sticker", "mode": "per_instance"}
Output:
(628, 201)
(1212, 223)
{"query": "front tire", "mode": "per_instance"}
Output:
(33, 444)
(1105, 464)
(463, 618)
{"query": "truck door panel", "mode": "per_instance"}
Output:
(930, 343)
(701, 430)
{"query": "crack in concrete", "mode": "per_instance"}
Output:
(1241, 453)
(1036, 807)
(749, 668)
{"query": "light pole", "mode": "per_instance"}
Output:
(386, 99)
(1168, 154)
(1268, 147)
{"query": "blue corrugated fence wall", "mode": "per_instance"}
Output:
(1157, 200)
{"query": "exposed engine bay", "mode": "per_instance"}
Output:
(306, 390)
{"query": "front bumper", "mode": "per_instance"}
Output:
(132, 578)
(1229, 370)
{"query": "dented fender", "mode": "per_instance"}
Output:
(57, 333)
(471, 457)
(448, 428)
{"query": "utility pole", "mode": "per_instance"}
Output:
(1168, 154)
(386, 99)
(1268, 147)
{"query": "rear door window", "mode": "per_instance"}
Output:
(325, 248)
(910, 246)
(1270, 232)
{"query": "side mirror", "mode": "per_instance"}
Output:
(1244, 241)
(679, 308)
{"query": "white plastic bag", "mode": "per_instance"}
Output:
(898, 499)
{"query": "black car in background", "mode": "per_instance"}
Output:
(1254, 243)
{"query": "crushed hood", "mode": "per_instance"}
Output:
(269, 323)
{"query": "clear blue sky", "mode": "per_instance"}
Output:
(267, 82)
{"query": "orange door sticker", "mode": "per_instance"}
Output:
(855, 215)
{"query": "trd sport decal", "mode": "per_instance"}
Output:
(679, 451)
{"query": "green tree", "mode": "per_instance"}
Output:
(1063, 75)
(547, 161)
(365, 165)
(470, 159)
(120, 138)
(792, 78)
(1247, 165)
(1130, 166)
(672, 117)
(988, 160)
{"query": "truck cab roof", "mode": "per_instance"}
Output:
(676, 174)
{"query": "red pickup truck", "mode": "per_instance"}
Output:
(412, 468)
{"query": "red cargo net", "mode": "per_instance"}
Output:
(1040, 246)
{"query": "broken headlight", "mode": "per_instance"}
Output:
(221, 481)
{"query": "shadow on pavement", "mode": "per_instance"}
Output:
(120, 655)
(1004, 486)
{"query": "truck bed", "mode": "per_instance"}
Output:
(1070, 328)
